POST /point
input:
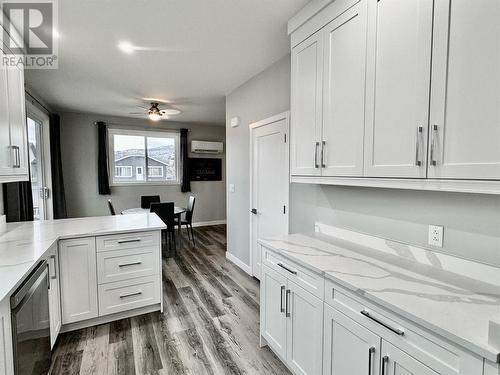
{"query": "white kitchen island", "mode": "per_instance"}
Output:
(101, 269)
(339, 302)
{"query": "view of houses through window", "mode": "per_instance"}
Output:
(132, 153)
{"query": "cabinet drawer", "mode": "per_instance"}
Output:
(127, 264)
(310, 281)
(128, 295)
(437, 353)
(128, 241)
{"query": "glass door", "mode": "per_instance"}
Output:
(36, 164)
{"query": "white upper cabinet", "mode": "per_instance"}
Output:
(465, 101)
(398, 79)
(344, 93)
(5, 152)
(307, 86)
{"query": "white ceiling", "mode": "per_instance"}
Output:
(210, 47)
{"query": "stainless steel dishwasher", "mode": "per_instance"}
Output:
(31, 324)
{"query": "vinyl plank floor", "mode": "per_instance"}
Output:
(210, 323)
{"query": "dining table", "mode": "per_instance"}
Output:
(178, 211)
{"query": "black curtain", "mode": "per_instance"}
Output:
(102, 159)
(186, 183)
(18, 201)
(58, 195)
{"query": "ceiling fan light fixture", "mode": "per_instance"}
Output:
(154, 116)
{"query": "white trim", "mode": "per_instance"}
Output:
(237, 262)
(209, 223)
(459, 186)
(270, 120)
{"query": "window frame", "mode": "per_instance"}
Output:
(145, 134)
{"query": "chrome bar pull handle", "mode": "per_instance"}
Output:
(129, 264)
(129, 241)
(385, 360)
(418, 162)
(370, 359)
(282, 308)
(287, 301)
(323, 145)
(131, 294)
(287, 269)
(433, 160)
(397, 331)
(316, 165)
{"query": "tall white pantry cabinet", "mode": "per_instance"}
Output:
(397, 91)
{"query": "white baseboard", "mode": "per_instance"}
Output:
(209, 223)
(245, 267)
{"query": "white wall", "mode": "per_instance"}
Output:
(266, 94)
(79, 154)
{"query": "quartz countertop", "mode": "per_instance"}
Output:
(24, 244)
(456, 298)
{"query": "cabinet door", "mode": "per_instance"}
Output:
(54, 297)
(304, 330)
(5, 151)
(6, 350)
(344, 93)
(272, 310)
(397, 362)
(17, 119)
(78, 279)
(306, 103)
(398, 79)
(466, 90)
(349, 348)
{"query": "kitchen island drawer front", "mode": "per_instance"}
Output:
(127, 264)
(127, 295)
(128, 241)
(310, 281)
(440, 354)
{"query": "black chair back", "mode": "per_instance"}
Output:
(190, 209)
(165, 212)
(146, 200)
(111, 208)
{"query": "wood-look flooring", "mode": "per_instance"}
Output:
(210, 323)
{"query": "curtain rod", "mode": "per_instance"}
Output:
(33, 99)
(143, 126)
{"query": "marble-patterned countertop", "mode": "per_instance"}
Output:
(24, 244)
(456, 298)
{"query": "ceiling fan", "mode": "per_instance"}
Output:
(155, 113)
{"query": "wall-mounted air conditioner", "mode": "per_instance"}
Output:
(205, 147)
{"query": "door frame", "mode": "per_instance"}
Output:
(268, 121)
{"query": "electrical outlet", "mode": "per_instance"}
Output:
(436, 235)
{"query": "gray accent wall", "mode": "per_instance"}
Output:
(264, 95)
(471, 221)
(79, 152)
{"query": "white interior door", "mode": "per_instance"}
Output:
(269, 180)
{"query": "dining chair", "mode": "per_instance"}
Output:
(188, 218)
(111, 208)
(146, 200)
(165, 212)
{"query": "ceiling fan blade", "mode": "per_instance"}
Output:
(170, 111)
(156, 100)
(136, 113)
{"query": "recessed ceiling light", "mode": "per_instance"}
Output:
(126, 47)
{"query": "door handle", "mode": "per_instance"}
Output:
(316, 165)
(385, 359)
(282, 308)
(129, 241)
(370, 359)
(397, 331)
(418, 162)
(287, 269)
(253, 211)
(323, 145)
(17, 157)
(287, 299)
(433, 160)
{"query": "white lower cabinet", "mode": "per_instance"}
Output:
(6, 351)
(54, 296)
(291, 322)
(397, 362)
(78, 279)
(349, 348)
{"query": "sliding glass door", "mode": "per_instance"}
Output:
(37, 170)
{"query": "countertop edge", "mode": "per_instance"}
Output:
(470, 346)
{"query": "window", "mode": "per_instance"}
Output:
(132, 153)
(123, 171)
(155, 171)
